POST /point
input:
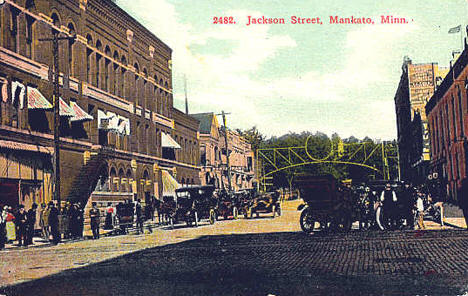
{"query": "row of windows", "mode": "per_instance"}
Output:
(447, 125)
(102, 70)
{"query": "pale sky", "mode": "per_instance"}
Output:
(281, 78)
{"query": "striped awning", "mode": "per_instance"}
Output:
(168, 142)
(65, 110)
(79, 114)
(25, 147)
(169, 183)
(36, 100)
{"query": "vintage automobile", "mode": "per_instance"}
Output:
(267, 202)
(195, 203)
(228, 204)
(327, 204)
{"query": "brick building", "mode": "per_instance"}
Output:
(448, 125)
(417, 84)
(213, 155)
(119, 129)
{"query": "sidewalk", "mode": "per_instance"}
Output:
(39, 242)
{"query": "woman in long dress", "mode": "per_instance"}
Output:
(10, 226)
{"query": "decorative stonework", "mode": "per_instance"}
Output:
(130, 35)
(151, 51)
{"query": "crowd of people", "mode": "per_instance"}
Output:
(396, 207)
(53, 225)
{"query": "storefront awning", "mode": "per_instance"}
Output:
(168, 142)
(170, 184)
(65, 110)
(78, 113)
(36, 100)
(25, 147)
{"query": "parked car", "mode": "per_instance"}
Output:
(194, 204)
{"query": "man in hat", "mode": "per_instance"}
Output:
(389, 200)
(54, 223)
(20, 220)
(95, 216)
(31, 221)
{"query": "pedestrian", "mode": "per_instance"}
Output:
(389, 199)
(66, 220)
(54, 223)
(44, 221)
(10, 225)
(420, 209)
(406, 198)
(80, 218)
(148, 212)
(139, 217)
(3, 218)
(20, 220)
(95, 220)
(108, 224)
(31, 222)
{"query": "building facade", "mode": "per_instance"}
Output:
(417, 84)
(213, 157)
(118, 127)
(447, 117)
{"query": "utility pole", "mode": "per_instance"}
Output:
(227, 149)
(56, 159)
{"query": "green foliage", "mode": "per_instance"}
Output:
(319, 148)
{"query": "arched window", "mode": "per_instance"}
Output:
(115, 84)
(129, 184)
(123, 60)
(89, 52)
(137, 88)
(106, 69)
(98, 64)
(113, 186)
(145, 100)
(71, 27)
(121, 176)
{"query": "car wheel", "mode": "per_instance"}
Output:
(307, 222)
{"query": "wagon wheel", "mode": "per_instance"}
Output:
(307, 222)
(235, 213)
(212, 216)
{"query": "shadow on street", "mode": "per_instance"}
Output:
(287, 263)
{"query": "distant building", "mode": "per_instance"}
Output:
(213, 155)
(120, 134)
(417, 84)
(448, 124)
